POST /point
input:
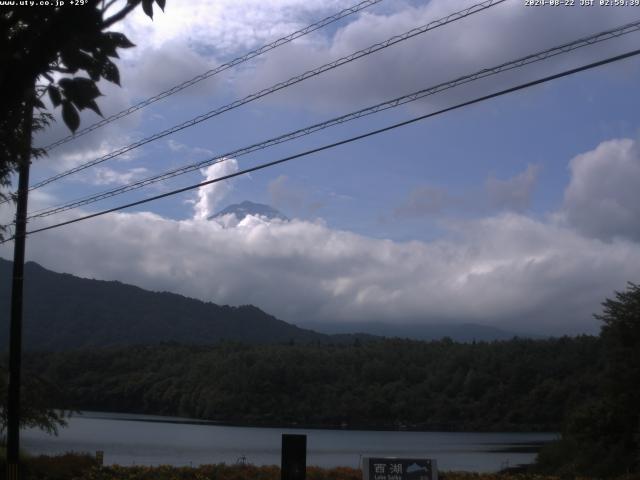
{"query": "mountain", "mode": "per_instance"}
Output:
(241, 210)
(464, 332)
(63, 312)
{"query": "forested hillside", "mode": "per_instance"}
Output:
(63, 312)
(511, 385)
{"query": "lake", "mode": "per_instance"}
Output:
(150, 440)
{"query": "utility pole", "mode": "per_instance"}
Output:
(15, 331)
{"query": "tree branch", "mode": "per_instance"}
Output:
(120, 15)
(108, 5)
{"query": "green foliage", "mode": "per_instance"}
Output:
(46, 51)
(602, 436)
(513, 385)
(37, 396)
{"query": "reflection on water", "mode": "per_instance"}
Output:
(150, 440)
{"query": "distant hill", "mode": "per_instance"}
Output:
(241, 210)
(66, 312)
(464, 332)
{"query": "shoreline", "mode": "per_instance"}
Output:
(434, 428)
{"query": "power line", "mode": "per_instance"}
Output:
(279, 86)
(343, 142)
(214, 71)
(520, 62)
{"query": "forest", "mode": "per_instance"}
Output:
(586, 387)
(440, 385)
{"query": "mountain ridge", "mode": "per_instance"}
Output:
(63, 312)
(243, 209)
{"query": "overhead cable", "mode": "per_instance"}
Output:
(214, 71)
(279, 86)
(518, 63)
(341, 142)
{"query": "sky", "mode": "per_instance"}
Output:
(521, 212)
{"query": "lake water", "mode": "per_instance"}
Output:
(148, 440)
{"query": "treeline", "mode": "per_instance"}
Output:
(508, 385)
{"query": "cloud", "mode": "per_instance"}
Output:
(92, 145)
(540, 276)
(509, 195)
(109, 176)
(192, 152)
(514, 193)
(226, 25)
(425, 200)
(294, 198)
(282, 193)
(489, 38)
(210, 196)
(603, 196)
(194, 36)
(505, 269)
(157, 69)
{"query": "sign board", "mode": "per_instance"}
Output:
(294, 457)
(388, 468)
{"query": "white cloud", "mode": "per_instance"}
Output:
(109, 176)
(91, 146)
(209, 196)
(506, 269)
(192, 152)
(191, 37)
(230, 220)
(226, 25)
(603, 197)
(158, 69)
(502, 33)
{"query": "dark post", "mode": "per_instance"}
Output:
(293, 465)
(15, 330)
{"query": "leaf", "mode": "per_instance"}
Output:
(37, 103)
(118, 40)
(147, 6)
(54, 95)
(70, 116)
(82, 92)
(94, 72)
(94, 106)
(79, 90)
(75, 59)
(161, 4)
(110, 72)
(106, 44)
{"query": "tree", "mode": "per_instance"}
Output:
(621, 336)
(602, 436)
(61, 52)
(38, 394)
